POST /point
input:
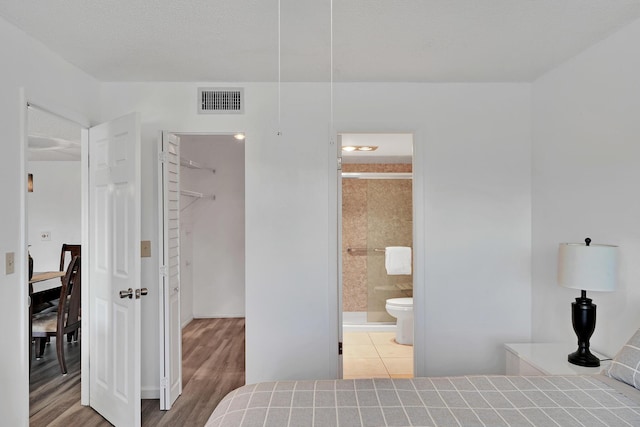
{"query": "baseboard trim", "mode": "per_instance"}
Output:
(186, 322)
(218, 316)
(149, 393)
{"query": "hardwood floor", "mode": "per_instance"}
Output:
(212, 365)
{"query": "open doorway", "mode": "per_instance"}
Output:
(226, 334)
(377, 240)
(212, 223)
(53, 218)
(202, 251)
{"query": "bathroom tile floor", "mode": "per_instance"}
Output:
(375, 355)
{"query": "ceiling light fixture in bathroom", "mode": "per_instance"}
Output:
(360, 148)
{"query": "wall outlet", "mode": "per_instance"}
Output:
(45, 235)
(145, 248)
(10, 263)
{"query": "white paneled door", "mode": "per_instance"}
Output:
(170, 330)
(114, 270)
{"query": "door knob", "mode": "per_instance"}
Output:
(128, 293)
(142, 291)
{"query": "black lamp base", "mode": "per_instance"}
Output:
(583, 316)
(584, 358)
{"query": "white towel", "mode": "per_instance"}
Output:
(397, 260)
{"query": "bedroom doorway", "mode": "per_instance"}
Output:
(202, 251)
(53, 218)
(212, 225)
(376, 231)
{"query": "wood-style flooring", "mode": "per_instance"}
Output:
(212, 365)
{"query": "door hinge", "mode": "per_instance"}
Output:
(163, 270)
(162, 157)
(339, 348)
(164, 382)
(339, 163)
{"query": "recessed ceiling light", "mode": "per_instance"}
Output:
(239, 136)
(360, 148)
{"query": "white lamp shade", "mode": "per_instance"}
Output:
(589, 268)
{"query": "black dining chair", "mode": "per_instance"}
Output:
(71, 250)
(67, 252)
(66, 320)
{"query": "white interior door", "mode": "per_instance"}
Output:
(170, 331)
(114, 266)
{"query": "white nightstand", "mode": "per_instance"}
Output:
(546, 359)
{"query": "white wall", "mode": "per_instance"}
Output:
(186, 266)
(475, 145)
(217, 226)
(585, 183)
(54, 206)
(50, 81)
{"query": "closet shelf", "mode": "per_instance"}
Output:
(191, 194)
(196, 196)
(194, 165)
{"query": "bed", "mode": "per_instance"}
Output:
(610, 399)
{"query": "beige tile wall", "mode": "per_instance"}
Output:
(375, 214)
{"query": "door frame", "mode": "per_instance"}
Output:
(335, 242)
(27, 101)
(158, 178)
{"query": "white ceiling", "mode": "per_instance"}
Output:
(373, 40)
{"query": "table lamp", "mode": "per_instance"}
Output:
(589, 268)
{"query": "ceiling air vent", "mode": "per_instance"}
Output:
(221, 100)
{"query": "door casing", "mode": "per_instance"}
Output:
(335, 254)
(28, 100)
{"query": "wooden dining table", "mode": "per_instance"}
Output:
(45, 275)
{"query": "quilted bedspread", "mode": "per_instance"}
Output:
(447, 401)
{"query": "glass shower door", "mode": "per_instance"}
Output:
(389, 223)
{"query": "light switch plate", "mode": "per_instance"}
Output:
(10, 263)
(145, 248)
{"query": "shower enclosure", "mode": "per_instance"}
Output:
(377, 212)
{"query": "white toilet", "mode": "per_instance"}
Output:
(402, 310)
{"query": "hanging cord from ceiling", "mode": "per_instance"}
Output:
(331, 130)
(279, 132)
